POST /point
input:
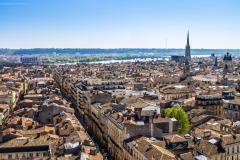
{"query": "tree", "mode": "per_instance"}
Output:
(179, 114)
(168, 112)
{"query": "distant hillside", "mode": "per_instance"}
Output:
(138, 51)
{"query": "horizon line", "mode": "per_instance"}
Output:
(117, 48)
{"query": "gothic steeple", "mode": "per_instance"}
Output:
(188, 39)
(187, 58)
(188, 49)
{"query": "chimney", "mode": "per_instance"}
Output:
(38, 135)
(151, 127)
(1, 136)
(170, 127)
(27, 141)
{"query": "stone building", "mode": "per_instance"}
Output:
(211, 102)
(175, 92)
(228, 63)
(232, 109)
(143, 148)
(26, 148)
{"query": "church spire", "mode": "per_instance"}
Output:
(188, 39)
(188, 49)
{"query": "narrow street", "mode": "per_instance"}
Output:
(101, 148)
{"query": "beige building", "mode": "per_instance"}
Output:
(232, 109)
(211, 102)
(26, 148)
(8, 96)
(175, 92)
(220, 140)
(143, 148)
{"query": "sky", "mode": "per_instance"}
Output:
(119, 23)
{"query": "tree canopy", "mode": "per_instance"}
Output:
(179, 114)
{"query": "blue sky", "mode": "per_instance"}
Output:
(119, 23)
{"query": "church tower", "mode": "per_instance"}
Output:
(228, 63)
(187, 57)
(227, 67)
(188, 49)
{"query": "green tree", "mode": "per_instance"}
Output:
(179, 114)
(168, 112)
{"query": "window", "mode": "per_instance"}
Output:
(45, 154)
(9, 156)
(30, 155)
(37, 154)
